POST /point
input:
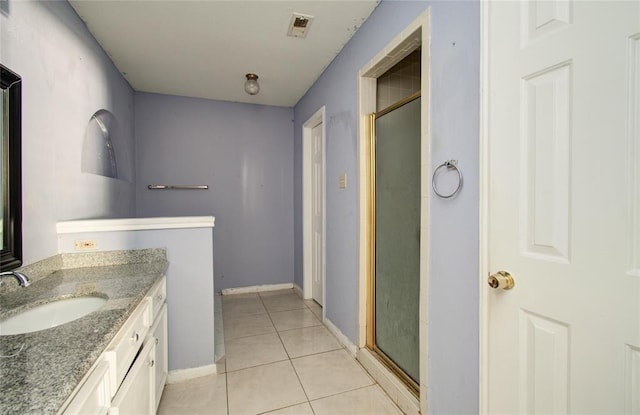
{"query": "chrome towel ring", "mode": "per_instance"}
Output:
(450, 165)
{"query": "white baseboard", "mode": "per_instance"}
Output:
(351, 348)
(257, 288)
(180, 375)
(397, 391)
(298, 290)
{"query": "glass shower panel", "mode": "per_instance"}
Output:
(397, 236)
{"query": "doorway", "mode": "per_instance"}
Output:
(413, 38)
(313, 182)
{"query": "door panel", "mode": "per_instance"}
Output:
(634, 153)
(632, 361)
(544, 352)
(564, 190)
(546, 162)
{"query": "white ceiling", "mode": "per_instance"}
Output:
(204, 48)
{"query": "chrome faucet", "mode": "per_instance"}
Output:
(23, 280)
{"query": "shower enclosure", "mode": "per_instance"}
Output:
(394, 333)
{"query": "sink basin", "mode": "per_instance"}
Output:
(50, 315)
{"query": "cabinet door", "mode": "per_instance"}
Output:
(94, 397)
(161, 364)
(127, 342)
(136, 395)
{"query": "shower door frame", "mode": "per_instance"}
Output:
(371, 278)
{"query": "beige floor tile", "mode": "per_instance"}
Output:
(263, 388)
(242, 303)
(244, 325)
(205, 395)
(366, 401)
(294, 319)
(329, 373)
(308, 340)
(302, 409)
(315, 308)
(283, 302)
(251, 351)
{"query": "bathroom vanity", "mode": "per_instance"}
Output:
(111, 361)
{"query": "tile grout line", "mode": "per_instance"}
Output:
(290, 361)
(293, 366)
(289, 357)
(347, 391)
(359, 390)
(226, 371)
(374, 382)
(226, 382)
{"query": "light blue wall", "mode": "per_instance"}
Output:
(453, 256)
(454, 240)
(245, 154)
(66, 77)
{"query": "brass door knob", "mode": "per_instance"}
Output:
(501, 279)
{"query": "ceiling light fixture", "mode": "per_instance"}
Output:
(251, 86)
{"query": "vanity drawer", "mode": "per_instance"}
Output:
(127, 342)
(158, 296)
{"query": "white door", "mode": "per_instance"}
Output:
(317, 198)
(563, 207)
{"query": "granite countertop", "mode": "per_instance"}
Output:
(39, 370)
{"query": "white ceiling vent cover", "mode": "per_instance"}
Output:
(299, 25)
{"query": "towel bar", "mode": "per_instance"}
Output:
(177, 187)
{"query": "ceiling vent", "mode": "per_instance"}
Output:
(299, 25)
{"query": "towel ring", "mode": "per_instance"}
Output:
(450, 165)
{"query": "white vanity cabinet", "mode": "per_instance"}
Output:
(129, 376)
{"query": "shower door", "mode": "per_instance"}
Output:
(395, 281)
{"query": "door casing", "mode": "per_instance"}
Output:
(415, 35)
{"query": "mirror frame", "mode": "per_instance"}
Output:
(11, 253)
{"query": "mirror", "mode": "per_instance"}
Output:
(11, 165)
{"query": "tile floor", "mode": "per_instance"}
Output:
(280, 359)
